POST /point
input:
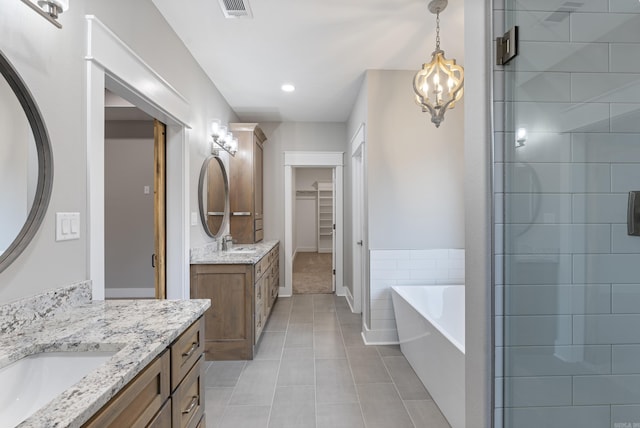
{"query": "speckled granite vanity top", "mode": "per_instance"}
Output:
(240, 254)
(67, 320)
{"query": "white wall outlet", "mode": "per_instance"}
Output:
(147, 190)
(194, 219)
(67, 226)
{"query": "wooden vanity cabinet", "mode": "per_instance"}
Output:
(168, 393)
(245, 184)
(242, 296)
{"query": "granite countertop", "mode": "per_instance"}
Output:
(208, 254)
(138, 329)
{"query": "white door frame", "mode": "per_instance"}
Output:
(357, 301)
(319, 160)
(111, 64)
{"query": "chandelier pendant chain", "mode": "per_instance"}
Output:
(438, 30)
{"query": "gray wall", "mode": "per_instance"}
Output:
(51, 62)
(129, 213)
(292, 136)
(415, 170)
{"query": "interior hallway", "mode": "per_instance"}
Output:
(312, 369)
(312, 273)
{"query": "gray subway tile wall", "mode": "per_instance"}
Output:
(566, 272)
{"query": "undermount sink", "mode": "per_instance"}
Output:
(30, 383)
(243, 250)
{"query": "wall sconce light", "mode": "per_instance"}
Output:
(222, 139)
(49, 9)
(428, 82)
(521, 137)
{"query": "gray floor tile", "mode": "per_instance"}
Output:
(325, 321)
(301, 317)
(296, 372)
(349, 317)
(342, 415)
(352, 336)
(223, 374)
(362, 351)
(293, 407)
(270, 345)
(277, 322)
(299, 336)
(297, 353)
(389, 350)
(245, 416)
(409, 385)
(324, 306)
(369, 370)
(256, 384)
(425, 413)
(328, 344)
(382, 407)
(334, 383)
(216, 400)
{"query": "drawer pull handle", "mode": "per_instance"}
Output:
(194, 346)
(241, 213)
(192, 405)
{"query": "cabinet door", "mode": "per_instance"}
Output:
(228, 322)
(257, 178)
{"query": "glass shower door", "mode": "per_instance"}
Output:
(567, 272)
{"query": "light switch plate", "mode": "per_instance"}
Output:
(194, 219)
(67, 226)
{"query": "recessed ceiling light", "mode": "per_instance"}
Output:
(288, 87)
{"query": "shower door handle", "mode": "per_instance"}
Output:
(633, 213)
(359, 243)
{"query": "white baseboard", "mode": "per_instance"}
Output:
(306, 250)
(130, 293)
(325, 250)
(349, 298)
(379, 337)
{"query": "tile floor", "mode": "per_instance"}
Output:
(312, 369)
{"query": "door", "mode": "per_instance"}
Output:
(333, 230)
(358, 229)
(159, 209)
(568, 282)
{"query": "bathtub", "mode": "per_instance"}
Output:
(430, 322)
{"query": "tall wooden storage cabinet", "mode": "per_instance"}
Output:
(245, 184)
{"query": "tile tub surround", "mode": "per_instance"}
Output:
(209, 254)
(139, 330)
(405, 267)
(16, 315)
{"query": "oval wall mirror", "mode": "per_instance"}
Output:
(26, 165)
(213, 195)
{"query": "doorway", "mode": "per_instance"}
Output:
(313, 217)
(113, 65)
(333, 161)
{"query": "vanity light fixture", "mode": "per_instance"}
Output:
(222, 139)
(428, 83)
(49, 9)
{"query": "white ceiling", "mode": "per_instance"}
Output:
(323, 47)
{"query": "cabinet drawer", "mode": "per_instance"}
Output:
(185, 351)
(261, 268)
(188, 399)
(163, 418)
(259, 322)
(139, 401)
(258, 224)
(259, 291)
(259, 235)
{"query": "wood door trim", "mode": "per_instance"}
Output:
(159, 207)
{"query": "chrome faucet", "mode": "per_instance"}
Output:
(227, 242)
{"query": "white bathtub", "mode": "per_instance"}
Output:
(430, 323)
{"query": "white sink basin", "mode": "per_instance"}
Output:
(243, 250)
(30, 383)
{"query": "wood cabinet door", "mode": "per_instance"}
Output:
(228, 322)
(257, 179)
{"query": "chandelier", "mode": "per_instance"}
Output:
(438, 86)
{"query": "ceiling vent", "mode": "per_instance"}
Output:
(236, 8)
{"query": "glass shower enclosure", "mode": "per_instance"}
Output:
(567, 273)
